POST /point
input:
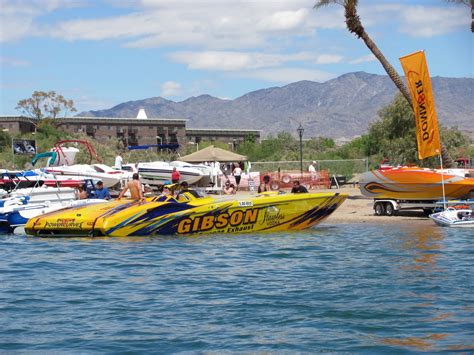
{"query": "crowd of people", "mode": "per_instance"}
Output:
(135, 188)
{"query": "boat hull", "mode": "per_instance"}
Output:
(406, 183)
(267, 213)
(157, 173)
(459, 218)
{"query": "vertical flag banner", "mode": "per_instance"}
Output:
(419, 83)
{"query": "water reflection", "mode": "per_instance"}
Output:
(424, 243)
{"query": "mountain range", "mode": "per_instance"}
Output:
(341, 107)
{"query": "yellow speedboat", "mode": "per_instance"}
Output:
(190, 215)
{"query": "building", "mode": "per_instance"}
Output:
(131, 131)
(135, 131)
(233, 137)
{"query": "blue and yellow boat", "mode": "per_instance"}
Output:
(189, 215)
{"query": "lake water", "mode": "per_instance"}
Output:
(332, 288)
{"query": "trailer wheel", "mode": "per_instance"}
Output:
(389, 210)
(379, 209)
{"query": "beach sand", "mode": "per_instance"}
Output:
(359, 209)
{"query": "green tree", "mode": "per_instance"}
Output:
(5, 140)
(43, 105)
(393, 136)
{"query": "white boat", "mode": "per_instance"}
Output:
(454, 217)
(95, 172)
(158, 172)
(43, 194)
(61, 162)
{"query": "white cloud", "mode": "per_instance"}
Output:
(17, 17)
(211, 25)
(288, 75)
(364, 59)
(233, 61)
(422, 21)
(328, 58)
(283, 20)
(417, 20)
(13, 62)
(170, 89)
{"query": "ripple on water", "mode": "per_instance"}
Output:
(332, 288)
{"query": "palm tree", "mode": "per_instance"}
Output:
(469, 3)
(354, 25)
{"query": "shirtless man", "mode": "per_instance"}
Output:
(135, 188)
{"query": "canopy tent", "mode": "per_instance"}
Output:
(212, 153)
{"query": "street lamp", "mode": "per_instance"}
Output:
(300, 130)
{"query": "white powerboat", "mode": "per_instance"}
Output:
(454, 217)
(158, 172)
(86, 171)
(61, 163)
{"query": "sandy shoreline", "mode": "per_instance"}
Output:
(359, 209)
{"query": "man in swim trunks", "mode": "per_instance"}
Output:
(135, 188)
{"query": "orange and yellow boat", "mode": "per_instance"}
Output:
(415, 183)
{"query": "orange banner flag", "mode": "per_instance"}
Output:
(418, 78)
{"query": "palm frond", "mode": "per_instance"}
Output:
(322, 3)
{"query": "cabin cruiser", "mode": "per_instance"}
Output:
(191, 213)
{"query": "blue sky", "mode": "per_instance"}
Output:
(102, 53)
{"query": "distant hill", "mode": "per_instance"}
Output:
(341, 107)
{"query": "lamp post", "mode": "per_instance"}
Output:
(300, 130)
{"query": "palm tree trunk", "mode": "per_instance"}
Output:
(354, 25)
(389, 69)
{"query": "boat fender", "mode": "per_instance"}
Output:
(461, 207)
(275, 185)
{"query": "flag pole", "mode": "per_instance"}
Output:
(442, 180)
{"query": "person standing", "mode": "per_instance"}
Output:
(135, 187)
(118, 162)
(312, 174)
(175, 176)
(237, 175)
